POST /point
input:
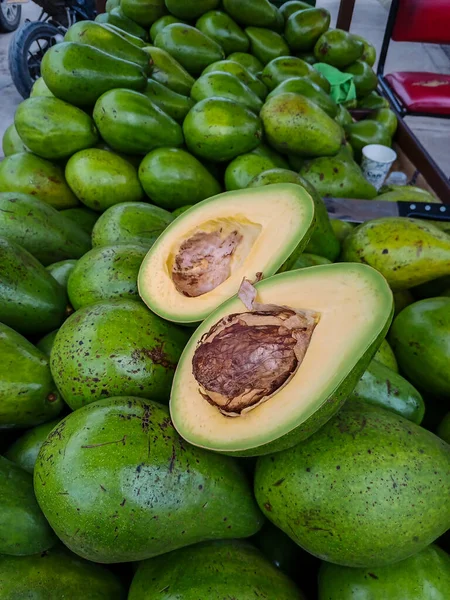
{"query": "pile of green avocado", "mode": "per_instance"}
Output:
(209, 390)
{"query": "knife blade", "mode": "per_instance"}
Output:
(358, 211)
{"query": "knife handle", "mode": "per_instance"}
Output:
(423, 210)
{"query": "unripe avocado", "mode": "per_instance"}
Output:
(12, 142)
(286, 67)
(169, 72)
(364, 78)
(173, 104)
(250, 62)
(190, 9)
(289, 8)
(343, 117)
(117, 18)
(131, 465)
(366, 132)
(242, 73)
(23, 452)
(160, 23)
(222, 29)
(137, 41)
(338, 48)
(304, 28)
(219, 84)
(266, 45)
(394, 478)
(257, 13)
(242, 170)
(40, 89)
(306, 87)
(173, 178)
(369, 54)
(143, 12)
(45, 344)
(278, 160)
(83, 217)
(386, 117)
(373, 101)
(385, 355)
(304, 260)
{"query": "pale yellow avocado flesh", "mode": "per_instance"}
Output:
(355, 304)
(271, 221)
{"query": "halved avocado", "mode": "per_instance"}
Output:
(202, 257)
(259, 381)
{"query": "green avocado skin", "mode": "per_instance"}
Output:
(167, 71)
(341, 228)
(80, 74)
(101, 179)
(143, 12)
(307, 87)
(189, 46)
(173, 104)
(213, 570)
(133, 488)
(23, 528)
(11, 142)
(56, 574)
(366, 132)
(106, 273)
(40, 229)
(383, 387)
(289, 8)
(244, 168)
(424, 576)
(364, 78)
(286, 67)
(248, 61)
(27, 173)
(373, 101)
(333, 176)
(278, 160)
(118, 19)
(338, 48)
(394, 478)
(130, 122)
(385, 355)
(84, 217)
(40, 88)
(130, 223)
(241, 72)
(61, 271)
(258, 13)
(45, 344)
(173, 178)
(113, 348)
(28, 395)
(162, 22)
(420, 338)
(444, 428)
(23, 452)
(219, 84)
(266, 44)
(222, 29)
(305, 27)
(304, 260)
(190, 9)
(31, 301)
(133, 39)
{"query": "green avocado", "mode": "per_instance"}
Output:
(161, 23)
(143, 12)
(307, 57)
(27, 173)
(289, 8)
(23, 452)
(266, 44)
(294, 124)
(407, 252)
(220, 129)
(189, 46)
(286, 67)
(402, 300)
(250, 62)
(173, 178)
(239, 71)
(57, 574)
(423, 576)
(385, 388)
(179, 211)
(385, 355)
(306, 87)
(369, 54)
(130, 223)
(137, 41)
(45, 344)
(169, 72)
(304, 28)
(444, 428)
(28, 395)
(333, 176)
(393, 475)
(213, 570)
(101, 179)
(61, 272)
(109, 41)
(278, 160)
(40, 229)
(343, 117)
(173, 104)
(23, 528)
(80, 74)
(221, 28)
(366, 132)
(31, 301)
(419, 338)
(364, 78)
(407, 193)
(191, 9)
(274, 175)
(84, 217)
(115, 347)
(40, 89)
(304, 260)
(131, 465)
(106, 273)
(118, 19)
(341, 228)
(338, 48)
(130, 122)
(373, 101)
(242, 170)
(386, 117)
(110, 4)
(54, 129)
(219, 84)
(11, 142)
(257, 13)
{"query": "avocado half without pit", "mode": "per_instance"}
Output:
(200, 260)
(269, 367)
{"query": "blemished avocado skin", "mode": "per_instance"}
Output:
(11, 142)
(24, 451)
(384, 466)
(23, 528)
(209, 570)
(385, 355)
(56, 574)
(128, 477)
(423, 576)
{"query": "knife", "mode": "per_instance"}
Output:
(358, 211)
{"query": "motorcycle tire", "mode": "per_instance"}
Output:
(10, 16)
(24, 66)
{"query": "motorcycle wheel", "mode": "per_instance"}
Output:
(26, 51)
(10, 15)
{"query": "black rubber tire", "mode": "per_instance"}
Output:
(8, 25)
(18, 53)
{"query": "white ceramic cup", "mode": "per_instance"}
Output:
(376, 163)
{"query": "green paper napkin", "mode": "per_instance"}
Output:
(342, 85)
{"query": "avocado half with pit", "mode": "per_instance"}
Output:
(268, 368)
(200, 260)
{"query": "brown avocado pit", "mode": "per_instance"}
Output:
(203, 261)
(246, 358)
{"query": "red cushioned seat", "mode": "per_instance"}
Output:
(422, 92)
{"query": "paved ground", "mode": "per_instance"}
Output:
(369, 21)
